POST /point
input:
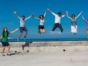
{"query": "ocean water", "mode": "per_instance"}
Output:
(49, 40)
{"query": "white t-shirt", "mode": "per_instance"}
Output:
(22, 22)
(41, 22)
(57, 18)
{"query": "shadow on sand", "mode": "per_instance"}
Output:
(26, 45)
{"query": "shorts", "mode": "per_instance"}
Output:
(4, 44)
(74, 29)
(41, 27)
(23, 29)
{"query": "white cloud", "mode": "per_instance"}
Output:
(46, 21)
(54, 32)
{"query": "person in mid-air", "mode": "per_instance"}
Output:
(22, 25)
(73, 19)
(86, 21)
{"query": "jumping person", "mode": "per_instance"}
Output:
(4, 40)
(73, 19)
(86, 23)
(58, 17)
(22, 25)
(41, 28)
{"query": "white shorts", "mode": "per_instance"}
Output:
(74, 29)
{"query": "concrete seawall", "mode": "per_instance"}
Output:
(49, 46)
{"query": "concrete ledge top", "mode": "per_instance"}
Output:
(49, 42)
(43, 44)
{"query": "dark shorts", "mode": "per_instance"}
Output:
(5, 44)
(41, 27)
(23, 29)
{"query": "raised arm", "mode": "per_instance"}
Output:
(29, 16)
(14, 31)
(64, 15)
(68, 15)
(16, 15)
(45, 13)
(0, 37)
(78, 15)
(83, 18)
(51, 12)
(36, 18)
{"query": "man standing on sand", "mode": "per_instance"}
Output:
(22, 25)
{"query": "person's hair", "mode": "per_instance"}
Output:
(59, 13)
(23, 16)
(73, 15)
(4, 32)
(40, 16)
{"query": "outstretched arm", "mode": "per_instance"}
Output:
(16, 15)
(78, 15)
(36, 18)
(29, 16)
(14, 31)
(51, 12)
(0, 37)
(45, 13)
(83, 18)
(67, 15)
(64, 15)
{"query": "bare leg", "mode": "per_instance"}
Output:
(25, 34)
(19, 36)
(43, 30)
(87, 33)
(39, 31)
(9, 50)
(3, 50)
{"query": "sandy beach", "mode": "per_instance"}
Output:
(72, 53)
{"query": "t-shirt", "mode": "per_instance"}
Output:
(22, 22)
(5, 37)
(57, 18)
(42, 22)
(73, 22)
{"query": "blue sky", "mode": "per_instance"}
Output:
(26, 7)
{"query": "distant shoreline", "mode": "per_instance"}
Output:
(50, 40)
